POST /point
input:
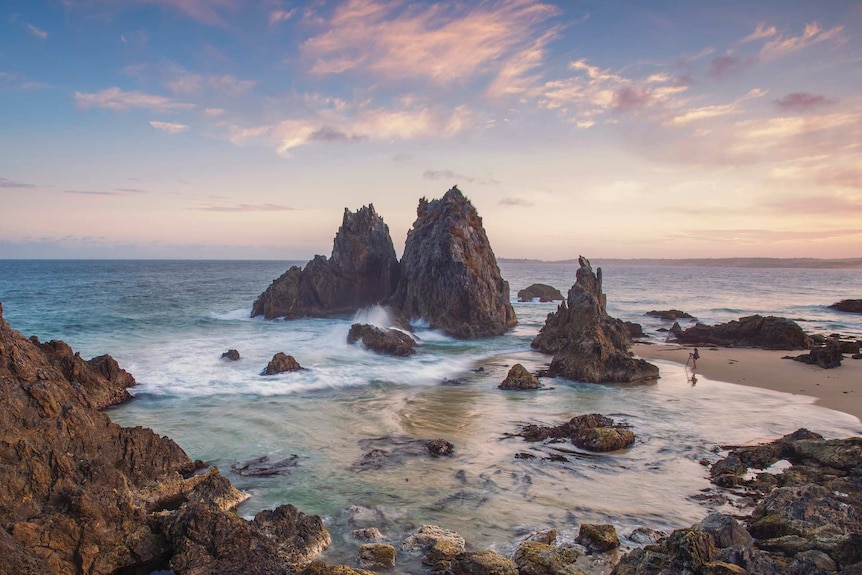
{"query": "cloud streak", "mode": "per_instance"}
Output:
(6, 183)
(169, 127)
(454, 177)
(247, 208)
(116, 99)
(40, 34)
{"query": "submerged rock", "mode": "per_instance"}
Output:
(363, 270)
(543, 292)
(669, 314)
(395, 450)
(848, 305)
(519, 379)
(384, 341)
(594, 432)
(264, 467)
(280, 363)
(449, 275)
(230, 355)
(768, 332)
(588, 344)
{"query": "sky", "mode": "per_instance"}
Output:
(613, 129)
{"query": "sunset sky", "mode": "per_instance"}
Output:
(241, 129)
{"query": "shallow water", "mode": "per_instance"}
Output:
(168, 323)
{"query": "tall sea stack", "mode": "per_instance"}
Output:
(588, 344)
(363, 270)
(449, 275)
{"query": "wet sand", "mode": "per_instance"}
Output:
(839, 389)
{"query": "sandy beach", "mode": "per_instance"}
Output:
(839, 389)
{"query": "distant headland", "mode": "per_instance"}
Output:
(799, 263)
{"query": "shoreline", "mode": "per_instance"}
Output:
(839, 389)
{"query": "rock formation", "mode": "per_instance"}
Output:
(384, 341)
(519, 378)
(598, 537)
(848, 305)
(544, 292)
(826, 356)
(281, 363)
(80, 494)
(588, 344)
(806, 520)
(449, 275)
(768, 332)
(669, 314)
(594, 432)
(230, 355)
(362, 270)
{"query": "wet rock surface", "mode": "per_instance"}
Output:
(230, 355)
(449, 274)
(589, 345)
(848, 305)
(594, 432)
(383, 341)
(543, 292)
(392, 451)
(806, 519)
(264, 466)
(598, 537)
(767, 332)
(377, 556)
(535, 558)
(281, 363)
(363, 270)
(519, 378)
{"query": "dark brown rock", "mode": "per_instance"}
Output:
(519, 379)
(669, 314)
(363, 270)
(230, 355)
(828, 356)
(594, 432)
(449, 275)
(439, 447)
(598, 537)
(768, 332)
(543, 292)
(377, 556)
(281, 363)
(848, 305)
(636, 330)
(588, 344)
(384, 341)
(264, 466)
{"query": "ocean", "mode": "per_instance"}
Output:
(168, 322)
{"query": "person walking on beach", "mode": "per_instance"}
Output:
(694, 356)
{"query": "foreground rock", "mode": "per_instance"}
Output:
(80, 494)
(384, 341)
(588, 344)
(848, 305)
(806, 520)
(449, 275)
(281, 363)
(536, 558)
(519, 379)
(768, 332)
(826, 356)
(594, 432)
(362, 270)
(543, 292)
(598, 537)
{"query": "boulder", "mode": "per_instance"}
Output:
(384, 341)
(594, 432)
(439, 447)
(543, 292)
(377, 556)
(367, 534)
(449, 274)
(848, 305)
(828, 356)
(281, 363)
(669, 314)
(321, 568)
(230, 355)
(768, 332)
(438, 544)
(589, 345)
(636, 330)
(363, 270)
(534, 558)
(519, 379)
(598, 537)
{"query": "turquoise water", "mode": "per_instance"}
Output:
(167, 322)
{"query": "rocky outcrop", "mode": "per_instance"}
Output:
(598, 537)
(826, 356)
(669, 314)
(806, 520)
(230, 355)
(384, 341)
(588, 344)
(281, 363)
(362, 270)
(449, 275)
(594, 432)
(768, 332)
(848, 305)
(543, 292)
(636, 330)
(519, 378)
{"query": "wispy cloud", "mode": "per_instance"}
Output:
(117, 99)
(516, 202)
(813, 33)
(40, 34)
(90, 193)
(709, 112)
(281, 15)
(454, 177)
(12, 184)
(802, 101)
(728, 65)
(833, 205)
(762, 31)
(190, 84)
(442, 42)
(214, 112)
(132, 190)
(169, 127)
(209, 12)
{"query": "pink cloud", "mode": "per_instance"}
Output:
(728, 65)
(802, 101)
(812, 34)
(40, 34)
(116, 99)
